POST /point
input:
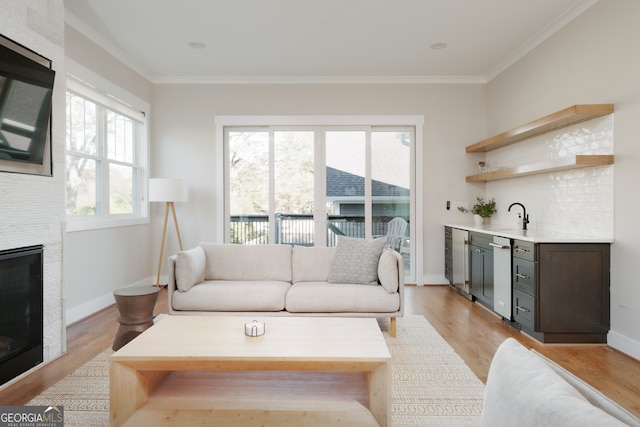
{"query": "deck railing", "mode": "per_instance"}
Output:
(299, 229)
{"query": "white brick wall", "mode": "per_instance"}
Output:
(578, 201)
(32, 207)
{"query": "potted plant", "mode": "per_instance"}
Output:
(481, 210)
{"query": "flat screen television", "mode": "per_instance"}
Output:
(26, 88)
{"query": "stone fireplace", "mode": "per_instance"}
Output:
(33, 206)
(21, 309)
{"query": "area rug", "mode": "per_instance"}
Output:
(431, 384)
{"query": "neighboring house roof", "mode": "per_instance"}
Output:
(342, 184)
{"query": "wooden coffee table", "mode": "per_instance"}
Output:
(203, 370)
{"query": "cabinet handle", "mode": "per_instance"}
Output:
(526, 310)
(521, 276)
(517, 249)
(499, 246)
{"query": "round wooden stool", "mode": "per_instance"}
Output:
(136, 304)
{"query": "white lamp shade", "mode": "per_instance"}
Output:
(168, 190)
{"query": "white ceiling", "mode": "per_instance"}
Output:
(322, 40)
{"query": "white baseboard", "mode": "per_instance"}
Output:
(88, 308)
(434, 279)
(624, 344)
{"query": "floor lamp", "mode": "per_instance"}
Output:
(168, 191)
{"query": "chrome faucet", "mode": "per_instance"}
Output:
(525, 219)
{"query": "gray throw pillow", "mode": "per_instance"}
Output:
(356, 261)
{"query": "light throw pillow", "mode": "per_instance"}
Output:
(356, 260)
(388, 271)
(524, 391)
(190, 268)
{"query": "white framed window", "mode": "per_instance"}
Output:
(106, 154)
(305, 180)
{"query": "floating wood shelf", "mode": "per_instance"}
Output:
(567, 117)
(561, 164)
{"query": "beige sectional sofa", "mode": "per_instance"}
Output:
(357, 278)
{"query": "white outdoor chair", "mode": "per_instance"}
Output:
(396, 229)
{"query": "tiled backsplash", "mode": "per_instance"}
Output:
(576, 201)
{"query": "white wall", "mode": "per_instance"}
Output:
(97, 262)
(593, 60)
(32, 207)
(185, 146)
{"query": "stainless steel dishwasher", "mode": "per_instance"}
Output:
(502, 276)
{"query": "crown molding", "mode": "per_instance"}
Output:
(299, 80)
(80, 26)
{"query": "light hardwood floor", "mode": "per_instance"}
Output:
(474, 332)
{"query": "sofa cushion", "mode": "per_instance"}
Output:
(247, 262)
(235, 295)
(523, 391)
(388, 271)
(311, 264)
(323, 297)
(356, 260)
(190, 268)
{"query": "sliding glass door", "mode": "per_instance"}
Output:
(391, 186)
(248, 190)
(293, 187)
(311, 185)
(345, 182)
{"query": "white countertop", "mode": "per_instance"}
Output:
(535, 236)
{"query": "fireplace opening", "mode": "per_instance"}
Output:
(21, 282)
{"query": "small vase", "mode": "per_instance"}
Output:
(478, 220)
